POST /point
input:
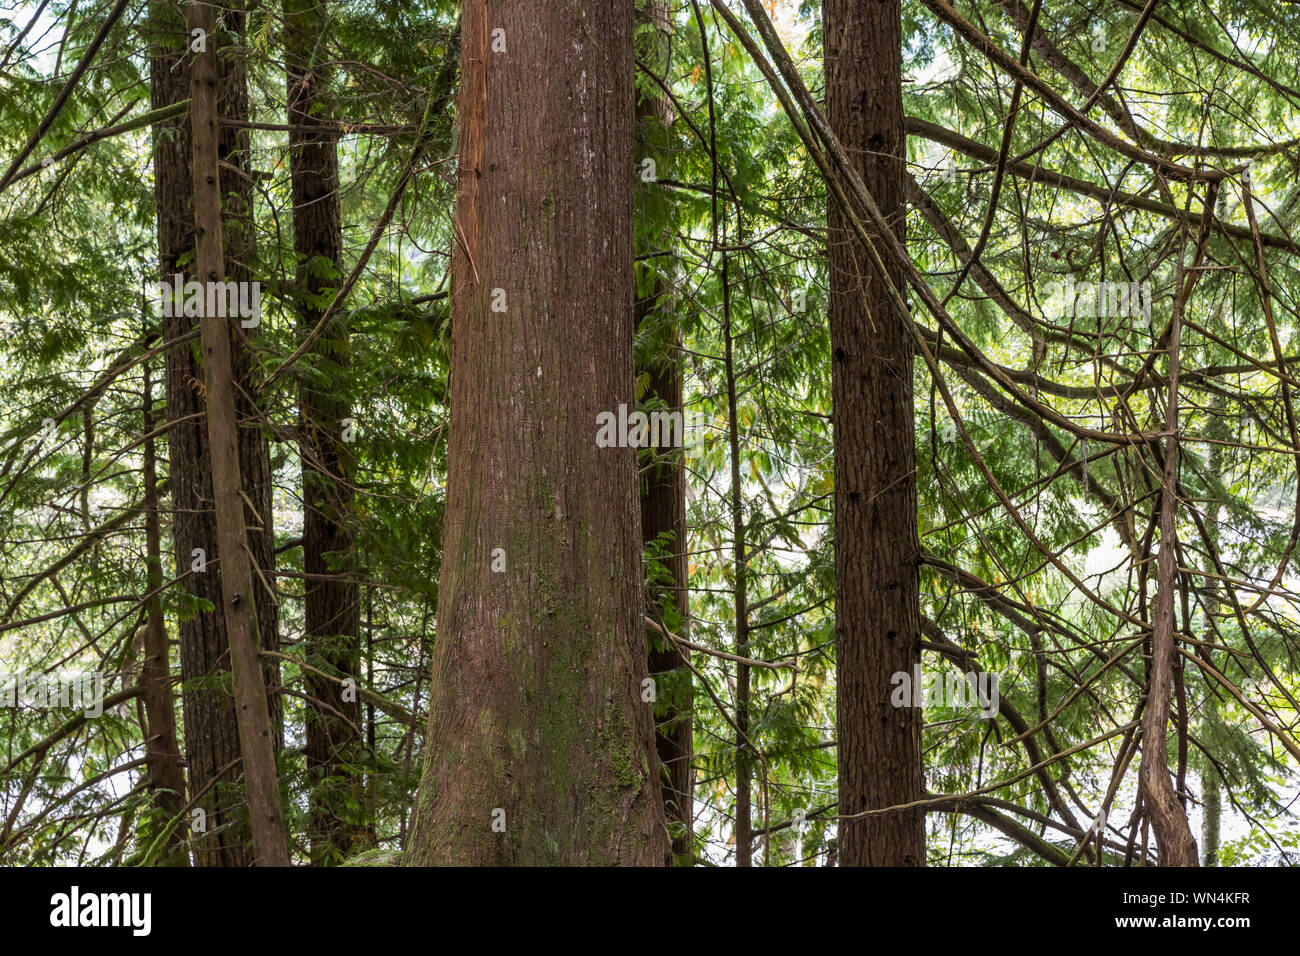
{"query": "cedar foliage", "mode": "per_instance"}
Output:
(1044, 503)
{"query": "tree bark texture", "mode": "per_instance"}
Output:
(540, 749)
(877, 609)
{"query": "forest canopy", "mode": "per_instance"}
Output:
(671, 432)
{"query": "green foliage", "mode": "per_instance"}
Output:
(1045, 594)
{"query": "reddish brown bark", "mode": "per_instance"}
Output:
(536, 723)
(877, 612)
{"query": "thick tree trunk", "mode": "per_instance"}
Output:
(211, 734)
(877, 612)
(211, 737)
(540, 749)
(332, 596)
(256, 738)
(663, 490)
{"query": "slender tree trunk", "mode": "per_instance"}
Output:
(1213, 812)
(256, 737)
(1174, 841)
(211, 734)
(240, 256)
(162, 752)
(540, 748)
(332, 598)
(663, 485)
(744, 831)
(877, 601)
(1212, 794)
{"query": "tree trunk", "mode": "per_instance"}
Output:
(877, 609)
(256, 738)
(1213, 812)
(211, 737)
(744, 830)
(1174, 841)
(240, 255)
(540, 749)
(162, 752)
(211, 734)
(332, 596)
(1218, 431)
(663, 488)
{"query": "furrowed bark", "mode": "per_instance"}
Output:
(211, 737)
(540, 749)
(239, 243)
(877, 596)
